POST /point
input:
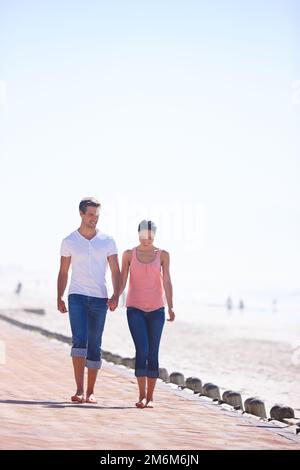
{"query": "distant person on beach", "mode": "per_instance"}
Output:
(89, 251)
(18, 288)
(149, 281)
(241, 305)
(229, 303)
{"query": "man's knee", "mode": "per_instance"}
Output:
(79, 341)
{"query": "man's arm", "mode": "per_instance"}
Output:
(62, 282)
(115, 277)
(165, 262)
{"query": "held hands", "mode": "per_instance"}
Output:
(61, 306)
(171, 315)
(112, 303)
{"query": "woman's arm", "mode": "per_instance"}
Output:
(115, 277)
(125, 270)
(165, 262)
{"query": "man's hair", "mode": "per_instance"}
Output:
(147, 225)
(88, 202)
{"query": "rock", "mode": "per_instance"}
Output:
(281, 412)
(163, 375)
(177, 378)
(212, 391)
(195, 384)
(255, 406)
(225, 394)
(128, 362)
(107, 356)
(234, 399)
(116, 359)
(37, 311)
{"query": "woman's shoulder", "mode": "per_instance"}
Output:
(164, 255)
(164, 252)
(128, 253)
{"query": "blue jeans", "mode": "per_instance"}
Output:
(87, 318)
(146, 329)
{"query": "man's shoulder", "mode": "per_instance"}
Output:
(105, 237)
(72, 236)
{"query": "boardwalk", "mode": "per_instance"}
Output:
(36, 384)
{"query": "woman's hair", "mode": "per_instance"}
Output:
(147, 225)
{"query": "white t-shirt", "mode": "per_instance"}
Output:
(89, 262)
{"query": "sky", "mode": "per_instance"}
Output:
(184, 112)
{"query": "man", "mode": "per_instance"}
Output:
(89, 251)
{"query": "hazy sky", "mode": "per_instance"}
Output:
(186, 112)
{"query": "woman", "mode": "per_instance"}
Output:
(149, 280)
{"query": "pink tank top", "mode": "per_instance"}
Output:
(146, 290)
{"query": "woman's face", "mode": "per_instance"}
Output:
(146, 237)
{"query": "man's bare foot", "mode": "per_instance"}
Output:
(78, 398)
(91, 399)
(141, 403)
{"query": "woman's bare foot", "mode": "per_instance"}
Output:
(78, 398)
(149, 404)
(141, 403)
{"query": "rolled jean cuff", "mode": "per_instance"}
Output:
(152, 374)
(141, 372)
(78, 352)
(93, 364)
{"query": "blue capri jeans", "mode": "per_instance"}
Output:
(87, 318)
(146, 329)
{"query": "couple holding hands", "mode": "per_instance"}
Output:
(89, 251)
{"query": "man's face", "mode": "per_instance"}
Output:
(90, 218)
